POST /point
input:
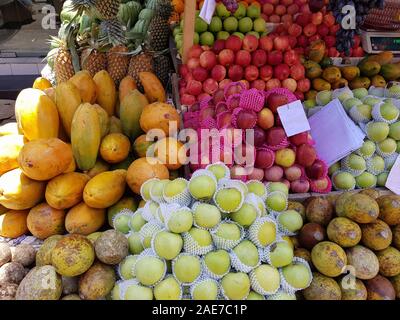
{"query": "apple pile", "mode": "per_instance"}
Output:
(278, 158)
(217, 237)
(305, 21)
(264, 64)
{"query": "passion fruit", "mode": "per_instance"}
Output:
(389, 262)
(364, 261)
(329, 258)
(361, 208)
(322, 288)
(376, 235)
(380, 288)
(311, 234)
(319, 210)
(344, 232)
(389, 209)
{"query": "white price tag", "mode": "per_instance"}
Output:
(293, 118)
(207, 10)
(393, 180)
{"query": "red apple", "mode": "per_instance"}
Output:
(202, 96)
(218, 46)
(182, 83)
(265, 43)
(321, 184)
(299, 95)
(246, 119)
(313, 38)
(290, 58)
(300, 51)
(235, 72)
(195, 51)
(329, 19)
(309, 30)
(297, 71)
(224, 120)
(357, 41)
(218, 73)
(210, 86)
(276, 100)
(246, 84)
(200, 74)
(184, 70)
(280, 10)
(281, 43)
(250, 43)
(208, 60)
(259, 136)
(272, 84)
(266, 72)
(323, 30)
(226, 57)
(265, 119)
(305, 155)
(205, 113)
(234, 43)
(258, 58)
(274, 18)
(290, 84)
(224, 83)
(302, 41)
(273, 174)
(292, 41)
(317, 170)
(303, 19)
(286, 2)
(330, 41)
(264, 159)
(305, 9)
(267, 8)
(194, 87)
(303, 85)
(243, 58)
(274, 2)
(193, 63)
(293, 173)
(275, 57)
(219, 96)
(300, 186)
(358, 52)
(275, 136)
(188, 99)
(317, 18)
(258, 84)
(251, 73)
(299, 139)
(281, 72)
(295, 30)
(293, 9)
(256, 174)
(334, 29)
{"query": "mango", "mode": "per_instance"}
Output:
(350, 72)
(378, 81)
(390, 71)
(360, 82)
(384, 57)
(321, 85)
(311, 95)
(341, 83)
(369, 68)
(331, 74)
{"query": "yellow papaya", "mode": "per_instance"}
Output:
(68, 100)
(321, 84)
(160, 115)
(331, 74)
(41, 84)
(105, 189)
(115, 125)
(126, 86)
(99, 167)
(130, 112)
(106, 91)
(341, 83)
(384, 57)
(378, 81)
(82, 219)
(153, 87)
(10, 146)
(86, 86)
(360, 82)
(65, 190)
(350, 72)
(104, 120)
(36, 114)
(13, 223)
(85, 136)
(115, 148)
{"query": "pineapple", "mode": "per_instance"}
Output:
(82, 5)
(107, 9)
(93, 60)
(63, 67)
(159, 29)
(162, 68)
(142, 61)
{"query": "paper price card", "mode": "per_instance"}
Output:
(207, 10)
(293, 118)
(393, 180)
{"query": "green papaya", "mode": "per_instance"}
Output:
(390, 71)
(85, 136)
(130, 110)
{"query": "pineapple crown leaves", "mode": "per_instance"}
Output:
(112, 32)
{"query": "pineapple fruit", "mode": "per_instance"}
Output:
(142, 61)
(93, 61)
(107, 9)
(159, 29)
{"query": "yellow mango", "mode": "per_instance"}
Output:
(106, 91)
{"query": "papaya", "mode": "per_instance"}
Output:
(86, 86)
(331, 74)
(106, 91)
(115, 125)
(65, 190)
(126, 86)
(85, 136)
(378, 81)
(341, 83)
(390, 71)
(62, 134)
(123, 164)
(141, 145)
(369, 68)
(131, 109)
(384, 57)
(18, 192)
(115, 148)
(10, 146)
(153, 87)
(71, 166)
(321, 85)
(105, 189)
(36, 115)
(313, 69)
(144, 169)
(159, 115)
(360, 82)
(350, 72)
(43, 159)
(99, 167)
(9, 128)
(317, 51)
(104, 120)
(82, 219)
(41, 84)
(13, 223)
(3, 209)
(68, 100)
(125, 203)
(44, 221)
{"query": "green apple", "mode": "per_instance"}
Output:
(278, 186)
(257, 187)
(281, 254)
(245, 216)
(149, 270)
(206, 215)
(267, 277)
(201, 237)
(255, 296)
(137, 221)
(175, 187)
(291, 220)
(205, 290)
(146, 187)
(138, 292)
(228, 231)
(223, 35)
(202, 187)
(230, 24)
(266, 232)
(360, 93)
(218, 170)
(167, 244)
(200, 25)
(228, 199)
(277, 201)
(121, 222)
(221, 11)
(245, 24)
(240, 11)
(135, 243)
(126, 266)
(158, 187)
(218, 262)
(180, 220)
(215, 24)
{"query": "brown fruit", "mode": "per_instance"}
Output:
(24, 254)
(322, 288)
(361, 208)
(380, 288)
(364, 261)
(299, 207)
(111, 247)
(358, 292)
(376, 235)
(340, 201)
(97, 282)
(44, 221)
(389, 207)
(396, 236)
(389, 262)
(344, 232)
(396, 285)
(311, 234)
(329, 258)
(374, 194)
(319, 210)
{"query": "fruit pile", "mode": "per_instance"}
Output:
(210, 237)
(357, 233)
(277, 158)
(262, 64)
(245, 20)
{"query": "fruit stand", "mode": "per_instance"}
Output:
(207, 150)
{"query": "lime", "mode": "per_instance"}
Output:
(254, 33)
(240, 12)
(207, 39)
(259, 25)
(245, 24)
(222, 35)
(215, 24)
(176, 31)
(196, 38)
(253, 11)
(222, 12)
(230, 24)
(200, 25)
(238, 34)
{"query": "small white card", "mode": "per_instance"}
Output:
(293, 118)
(393, 180)
(207, 10)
